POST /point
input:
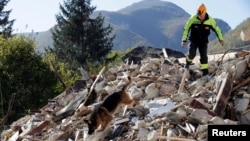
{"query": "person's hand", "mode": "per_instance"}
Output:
(222, 42)
(183, 44)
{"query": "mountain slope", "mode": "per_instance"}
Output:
(150, 22)
(233, 39)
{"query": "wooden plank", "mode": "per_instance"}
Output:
(39, 128)
(175, 138)
(65, 135)
(161, 133)
(223, 97)
(73, 104)
(123, 120)
(5, 118)
(197, 105)
(93, 85)
(243, 83)
(182, 84)
(32, 130)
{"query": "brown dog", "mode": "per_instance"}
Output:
(103, 112)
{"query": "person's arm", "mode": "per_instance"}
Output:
(217, 31)
(186, 29)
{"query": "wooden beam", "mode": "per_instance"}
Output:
(93, 85)
(182, 84)
(5, 118)
(223, 97)
(175, 138)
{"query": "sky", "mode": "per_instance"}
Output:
(39, 15)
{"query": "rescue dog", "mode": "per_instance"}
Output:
(103, 113)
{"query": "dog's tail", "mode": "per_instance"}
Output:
(128, 84)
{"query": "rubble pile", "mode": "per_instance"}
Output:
(169, 109)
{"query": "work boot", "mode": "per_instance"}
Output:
(191, 75)
(187, 65)
(204, 72)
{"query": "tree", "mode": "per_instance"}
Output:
(5, 23)
(24, 73)
(78, 38)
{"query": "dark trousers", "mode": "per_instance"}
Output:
(203, 55)
(202, 50)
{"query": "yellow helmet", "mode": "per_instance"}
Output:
(202, 10)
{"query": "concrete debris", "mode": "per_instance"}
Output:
(164, 113)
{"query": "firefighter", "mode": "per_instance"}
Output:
(199, 26)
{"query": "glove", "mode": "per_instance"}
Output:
(222, 42)
(183, 44)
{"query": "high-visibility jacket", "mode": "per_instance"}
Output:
(199, 31)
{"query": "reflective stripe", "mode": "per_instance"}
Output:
(189, 60)
(203, 66)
